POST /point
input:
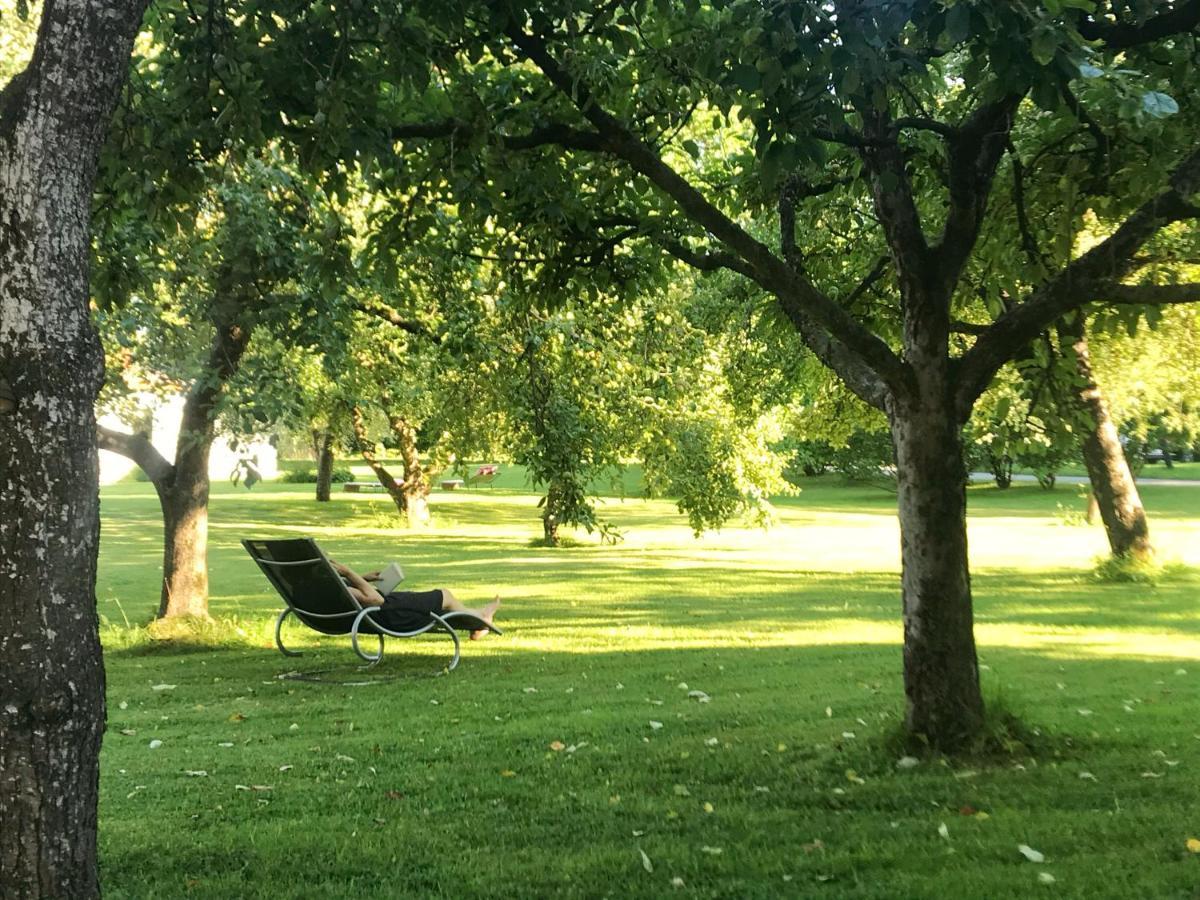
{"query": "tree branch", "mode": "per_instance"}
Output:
(807, 306)
(392, 317)
(1121, 35)
(1147, 294)
(704, 260)
(138, 448)
(974, 153)
(1077, 283)
(553, 134)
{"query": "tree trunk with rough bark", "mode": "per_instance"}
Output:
(52, 122)
(416, 484)
(1113, 487)
(941, 671)
(366, 447)
(323, 446)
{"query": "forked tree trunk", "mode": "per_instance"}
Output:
(1113, 486)
(183, 487)
(366, 447)
(416, 484)
(941, 671)
(323, 444)
(52, 122)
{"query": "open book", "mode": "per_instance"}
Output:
(389, 579)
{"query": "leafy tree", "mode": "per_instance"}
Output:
(879, 128)
(53, 117)
(246, 263)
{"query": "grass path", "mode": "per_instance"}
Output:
(558, 755)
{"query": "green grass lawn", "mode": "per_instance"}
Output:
(554, 757)
(1180, 471)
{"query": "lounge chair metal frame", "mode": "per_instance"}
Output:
(358, 618)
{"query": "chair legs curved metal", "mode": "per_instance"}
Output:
(278, 635)
(372, 660)
(454, 636)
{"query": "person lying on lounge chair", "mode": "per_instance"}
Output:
(409, 610)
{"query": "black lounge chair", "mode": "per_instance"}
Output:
(316, 595)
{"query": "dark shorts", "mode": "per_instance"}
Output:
(408, 610)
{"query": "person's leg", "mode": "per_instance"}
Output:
(450, 603)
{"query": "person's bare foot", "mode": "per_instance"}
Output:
(488, 613)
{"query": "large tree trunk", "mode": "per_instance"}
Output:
(52, 121)
(941, 671)
(416, 483)
(323, 446)
(366, 447)
(1113, 486)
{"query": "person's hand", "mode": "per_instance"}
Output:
(372, 576)
(340, 569)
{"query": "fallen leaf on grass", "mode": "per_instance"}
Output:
(655, 725)
(1193, 845)
(155, 744)
(682, 791)
(944, 831)
(711, 742)
(1046, 878)
(677, 882)
(708, 807)
(646, 864)
(162, 687)
(195, 773)
(1086, 776)
(967, 810)
(712, 851)
(1153, 774)
(508, 773)
(814, 846)
(129, 732)
(853, 777)
(848, 735)
(253, 787)
(557, 746)
(286, 768)
(1030, 854)
(225, 744)
(1085, 712)
(907, 762)
(529, 690)
(345, 758)
(237, 717)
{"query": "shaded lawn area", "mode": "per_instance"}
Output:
(784, 784)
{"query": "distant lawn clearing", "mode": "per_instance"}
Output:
(567, 758)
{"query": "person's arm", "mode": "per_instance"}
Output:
(364, 591)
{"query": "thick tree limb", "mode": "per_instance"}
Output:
(974, 153)
(1148, 294)
(797, 294)
(1077, 283)
(1120, 35)
(138, 448)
